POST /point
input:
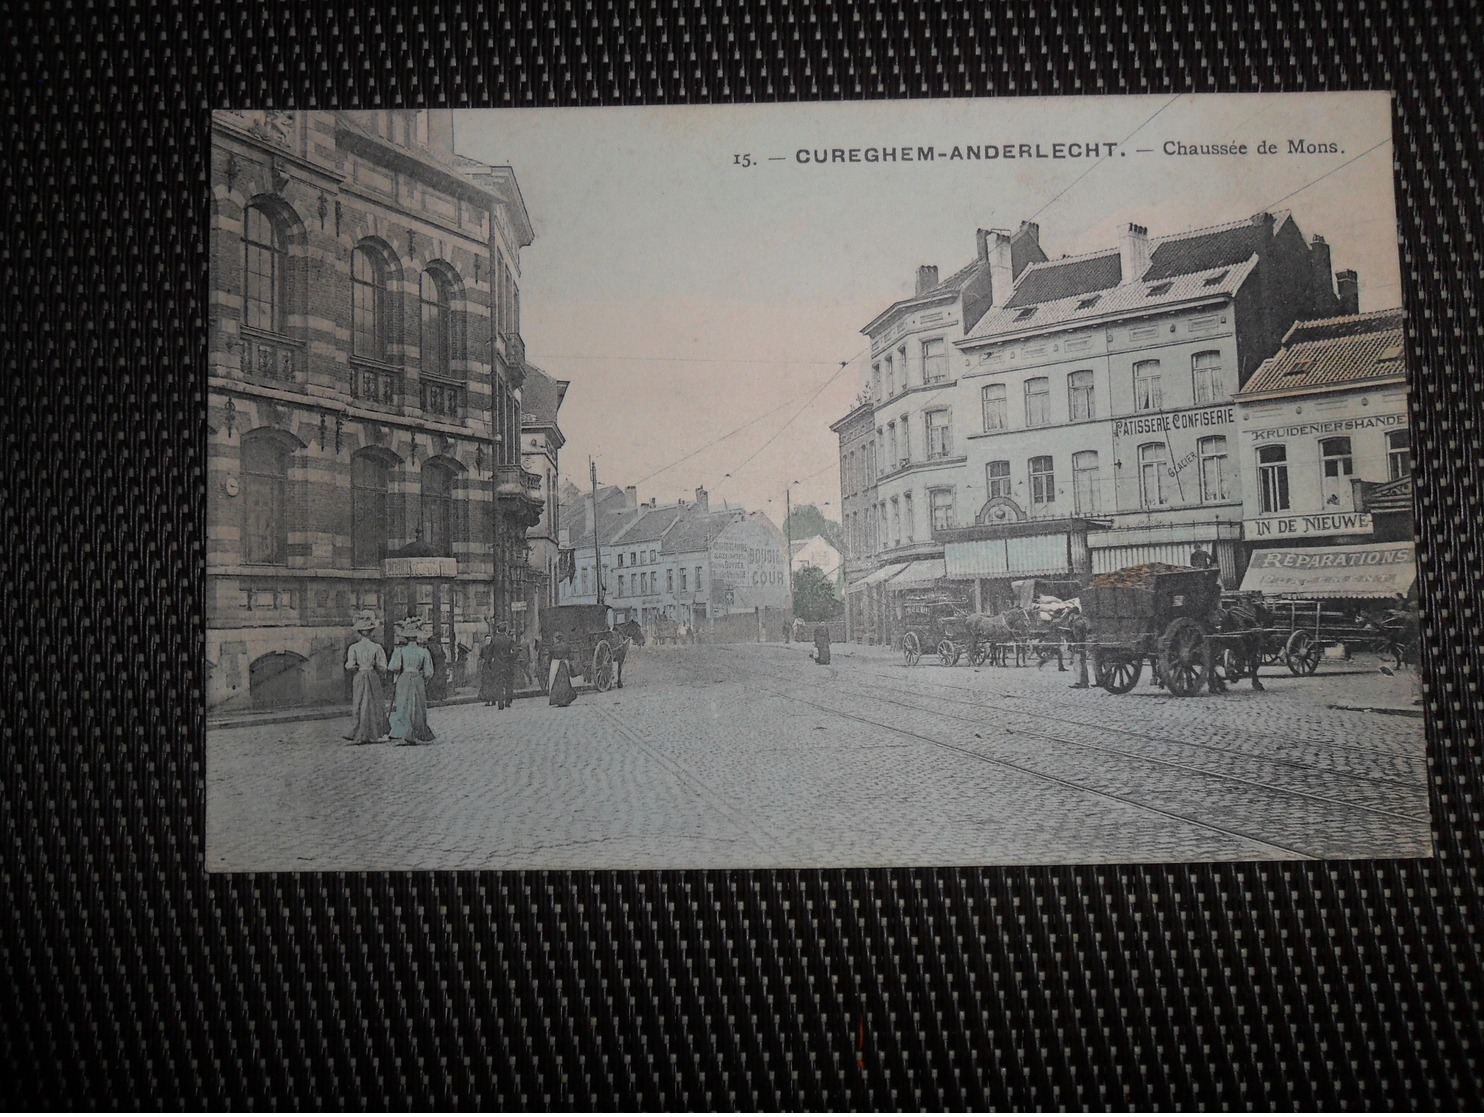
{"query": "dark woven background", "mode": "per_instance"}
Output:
(129, 978)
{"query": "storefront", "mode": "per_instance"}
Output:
(993, 556)
(874, 626)
(1366, 571)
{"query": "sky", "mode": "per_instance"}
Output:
(707, 312)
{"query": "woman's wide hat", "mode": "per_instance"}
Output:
(413, 628)
(364, 621)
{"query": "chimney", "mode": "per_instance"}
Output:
(981, 238)
(1322, 297)
(1001, 267)
(1348, 284)
(1133, 252)
(927, 278)
(703, 500)
(631, 496)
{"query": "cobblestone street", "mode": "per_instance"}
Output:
(753, 756)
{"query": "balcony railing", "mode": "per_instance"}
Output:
(270, 359)
(443, 399)
(376, 385)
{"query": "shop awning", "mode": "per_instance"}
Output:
(1370, 570)
(922, 572)
(879, 576)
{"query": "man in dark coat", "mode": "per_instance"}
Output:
(503, 649)
(821, 645)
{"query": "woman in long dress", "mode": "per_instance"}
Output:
(559, 681)
(367, 704)
(413, 666)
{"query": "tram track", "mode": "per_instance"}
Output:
(1136, 803)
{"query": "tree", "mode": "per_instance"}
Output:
(808, 521)
(814, 595)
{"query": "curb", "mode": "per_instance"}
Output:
(1394, 711)
(331, 713)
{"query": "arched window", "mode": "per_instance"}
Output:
(437, 502)
(435, 341)
(369, 483)
(265, 480)
(369, 321)
(264, 273)
(997, 478)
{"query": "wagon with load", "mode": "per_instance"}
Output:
(933, 627)
(585, 636)
(1168, 615)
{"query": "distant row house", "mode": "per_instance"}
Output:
(1031, 417)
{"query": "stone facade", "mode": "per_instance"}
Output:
(354, 382)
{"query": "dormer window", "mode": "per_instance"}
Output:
(1299, 369)
(1089, 302)
(1026, 313)
(1392, 353)
(1212, 280)
(1159, 289)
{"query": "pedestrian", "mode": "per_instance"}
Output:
(559, 681)
(1405, 626)
(1078, 631)
(488, 690)
(367, 659)
(413, 666)
(821, 654)
(504, 652)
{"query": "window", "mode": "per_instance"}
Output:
(264, 272)
(1026, 313)
(939, 433)
(369, 320)
(1037, 401)
(1398, 454)
(891, 443)
(682, 580)
(620, 559)
(670, 581)
(437, 502)
(584, 579)
(633, 558)
(896, 522)
(997, 478)
(902, 365)
(1272, 478)
(1212, 454)
(1147, 395)
(1160, 289)
(1154, 465)
(876, 378)
(1043, 480)
(934, 361)
(891, 376)
(940, 503)
(620, 585)
(1334, 453)
(368, 499)
(906, 440)
(1212, 280)
(1085, 482)
(992, 396)
(699, 587)
(1089, 302)
(909, 520)
(434, 339)
(881, 460)
(1209, 379)
(265, 481)
(1079, 395)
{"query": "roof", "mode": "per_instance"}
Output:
(948, 288)
(1354, 349)
(541, 397)
(1196, 264)
(612, 512)
(1090, 306)
(696, 531)
(648, 525)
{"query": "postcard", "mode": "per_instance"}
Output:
(961, 482)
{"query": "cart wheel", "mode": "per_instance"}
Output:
(1233, 669)
(1303, 653)
(1185, 658)
(602, 666)
(948, 653)
(1271, 656)
(1119, 674)
(911, 649)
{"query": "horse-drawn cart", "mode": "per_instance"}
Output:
(586, 637)
(934, 625)
(1298, 630)
(1167, 615)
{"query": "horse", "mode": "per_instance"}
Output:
(1246, 619)
(628, 632)
(998, 633)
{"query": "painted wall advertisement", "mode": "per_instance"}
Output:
(748, 566)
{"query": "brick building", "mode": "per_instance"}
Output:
(363, 381)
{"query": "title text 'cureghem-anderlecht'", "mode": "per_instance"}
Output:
(912, 153)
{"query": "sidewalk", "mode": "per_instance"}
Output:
(238, 719)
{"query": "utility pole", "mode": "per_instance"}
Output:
(592, 471)
(788, 561)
